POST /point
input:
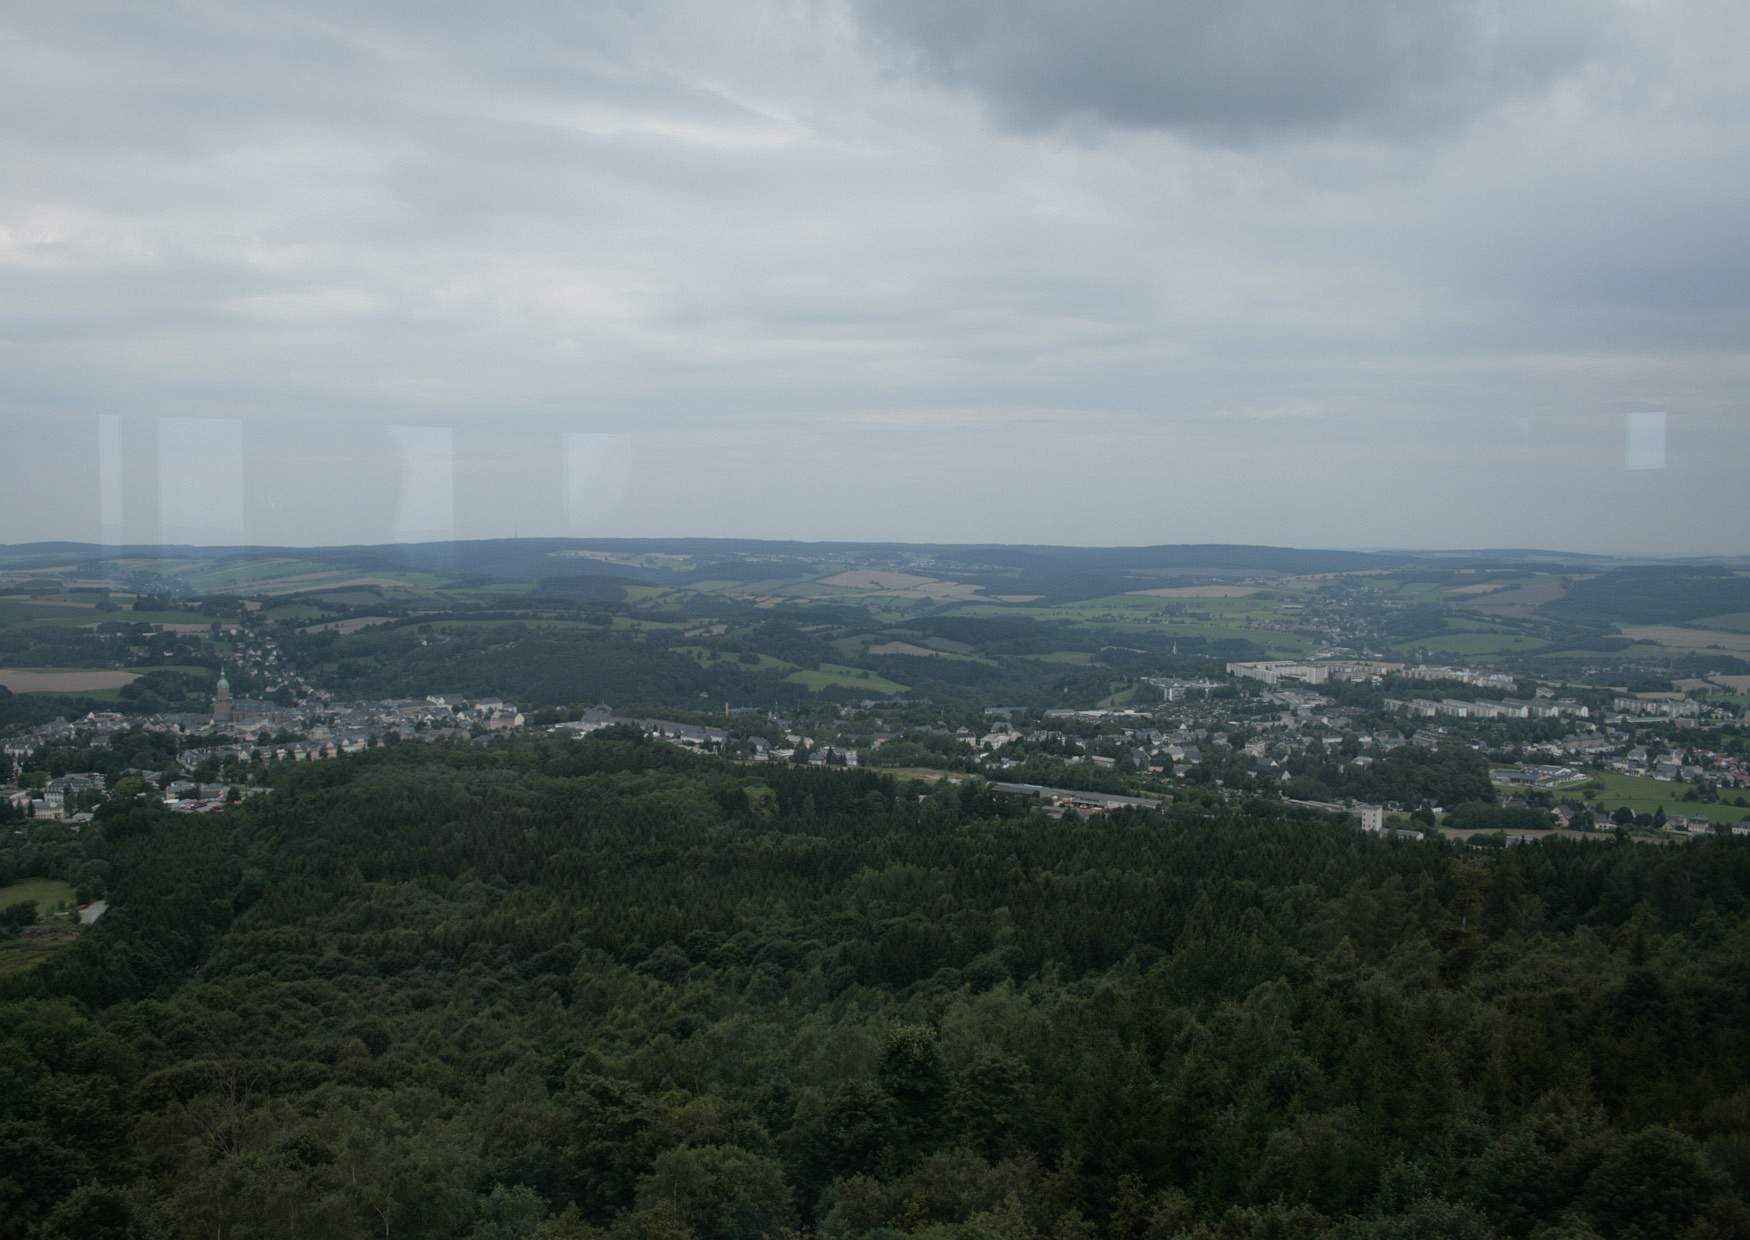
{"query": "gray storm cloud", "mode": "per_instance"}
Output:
(1244, 70)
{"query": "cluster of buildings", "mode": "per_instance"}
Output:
(1549, 778)
(1457, 708)
(1059, 802)
(1275, 671)
(319, 730)
(1665, 706)
(1499, 681)
(61, 798)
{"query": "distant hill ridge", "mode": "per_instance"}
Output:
(1045, 570)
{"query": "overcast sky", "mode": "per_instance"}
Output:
(1359, 273)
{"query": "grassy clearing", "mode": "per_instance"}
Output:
(928, 773)
(1646, 795)
(835, 675)
(50, 895)
(1075, 658)
(55, 901)
(69, 615)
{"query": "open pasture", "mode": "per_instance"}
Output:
(64, 680)
(834, 675)
(1677, 637)
(1644, 796)
(1200, 591)
(903, 585)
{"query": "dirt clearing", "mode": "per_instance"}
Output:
(56, 680)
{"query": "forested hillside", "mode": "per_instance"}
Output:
(564, 989)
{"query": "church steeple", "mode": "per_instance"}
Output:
(222, 700)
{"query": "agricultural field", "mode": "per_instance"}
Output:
(329, 582)
(1211, 591)
(85, 682)
(84, 615)
(348, 626)
(836, 675)
(1678, 637)
(1251, 618)
(912, 650)
(1644, 796)
(1639, 651)
(903, 585)
(534, 622)
(1521, 598)
(246, 575)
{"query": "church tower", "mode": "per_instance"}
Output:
(222, 700)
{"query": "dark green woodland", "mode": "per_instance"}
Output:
(605, 988)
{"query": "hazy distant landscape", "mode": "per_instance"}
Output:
(875, 620)
(960, 623)
(565, 889)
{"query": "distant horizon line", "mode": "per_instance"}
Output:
(1379, 550)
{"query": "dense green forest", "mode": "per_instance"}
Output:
(582, 657)
(1654, 595)
(604, 988)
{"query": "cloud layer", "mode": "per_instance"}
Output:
(1246, 70)
(1251, 272)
